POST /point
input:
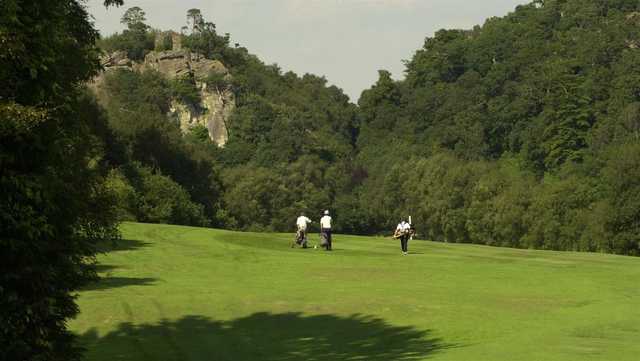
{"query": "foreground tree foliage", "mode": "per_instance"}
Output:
(54, 206)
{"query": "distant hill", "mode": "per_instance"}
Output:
(522, 132)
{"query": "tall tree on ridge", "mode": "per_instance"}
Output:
(133, 17)
(195, 19)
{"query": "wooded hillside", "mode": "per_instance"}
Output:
(522, 132)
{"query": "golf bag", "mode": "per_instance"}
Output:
(323, 239)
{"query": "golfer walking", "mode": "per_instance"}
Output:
(325, 231)
(403, 231)
(301, 234)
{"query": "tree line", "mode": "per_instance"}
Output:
(510, 134)
(522, 132)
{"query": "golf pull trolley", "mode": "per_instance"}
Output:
(300, 239)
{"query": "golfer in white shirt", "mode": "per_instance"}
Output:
(325, 231)
(403, 231)
(301, 234)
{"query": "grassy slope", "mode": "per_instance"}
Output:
(180, 293)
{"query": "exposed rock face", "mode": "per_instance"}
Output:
(201, 66)
(115, 60)
(215, 109)
(172, 63)
(217, 104)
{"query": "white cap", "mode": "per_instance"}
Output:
(326, 211)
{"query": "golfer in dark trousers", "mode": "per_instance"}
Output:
(403, 231)
(325, 230)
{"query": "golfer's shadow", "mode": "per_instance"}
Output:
(264, 336)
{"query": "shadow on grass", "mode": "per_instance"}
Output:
(104, 268)
(264, 336)
(106, 280)
(106, 283)
(121, 245)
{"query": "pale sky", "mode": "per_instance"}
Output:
(347, 41)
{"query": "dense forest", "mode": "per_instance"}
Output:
(291, 139)
(522, 132)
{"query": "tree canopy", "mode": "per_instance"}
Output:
(133, 17)
(537, 92)
(500, 134)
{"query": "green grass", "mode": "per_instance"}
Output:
(181, 293)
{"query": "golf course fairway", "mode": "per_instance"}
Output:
(184, 293)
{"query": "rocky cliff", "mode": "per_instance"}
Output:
(216, 104)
